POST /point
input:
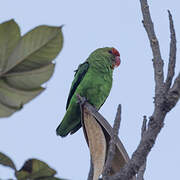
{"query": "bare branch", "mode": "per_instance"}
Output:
(143, 129)
(140, 155)
(157, 60)
(165, 100)
(117, 123)
(111, 151)
(140, 174)
(162, 104)
(173, 94)
(172, 54)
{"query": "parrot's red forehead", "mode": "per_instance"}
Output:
(115, 52)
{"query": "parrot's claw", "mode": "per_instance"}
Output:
(81, 100)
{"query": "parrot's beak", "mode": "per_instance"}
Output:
(117, 61)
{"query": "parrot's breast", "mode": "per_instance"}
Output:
(96, 87)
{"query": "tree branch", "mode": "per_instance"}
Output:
(143, 129)
(111, 151)
(164, 102)
(140, 174)
(173, 94)
(142, 169)
(157, 60)
(165, 99)
(172, 54)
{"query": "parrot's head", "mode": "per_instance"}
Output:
(115, 57)
(110, 55)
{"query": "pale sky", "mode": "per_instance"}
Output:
(91, 24)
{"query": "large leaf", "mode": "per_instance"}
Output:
(9, 36)
(6, 111)
(25, 63)
(39, 46)
(30, 79)
(14, 97)
(33, 169)
(6, 161)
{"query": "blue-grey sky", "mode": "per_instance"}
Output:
(30, 133)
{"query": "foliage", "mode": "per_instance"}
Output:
(32, 169)
(25, 63)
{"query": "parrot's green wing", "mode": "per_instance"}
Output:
(79, 75)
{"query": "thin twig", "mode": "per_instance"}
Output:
(173, 94)
(157, 60)
(143, 129)
(111, 150)
(140, 174)
(172, 54)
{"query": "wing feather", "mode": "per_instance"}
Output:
(79, 75)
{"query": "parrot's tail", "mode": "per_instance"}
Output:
(63, 131)
(70, 124)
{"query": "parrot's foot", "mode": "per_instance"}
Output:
(81, 100)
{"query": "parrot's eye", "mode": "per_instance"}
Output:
(110, 51)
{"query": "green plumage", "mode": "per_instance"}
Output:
(93, 80)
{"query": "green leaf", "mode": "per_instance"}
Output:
(36, 48)
(25, 63)
(14, 97)
(30, 79)
(6, 111)
(9, 36)
(6, 161)
(34, 168)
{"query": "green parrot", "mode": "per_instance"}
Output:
(92, 80)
